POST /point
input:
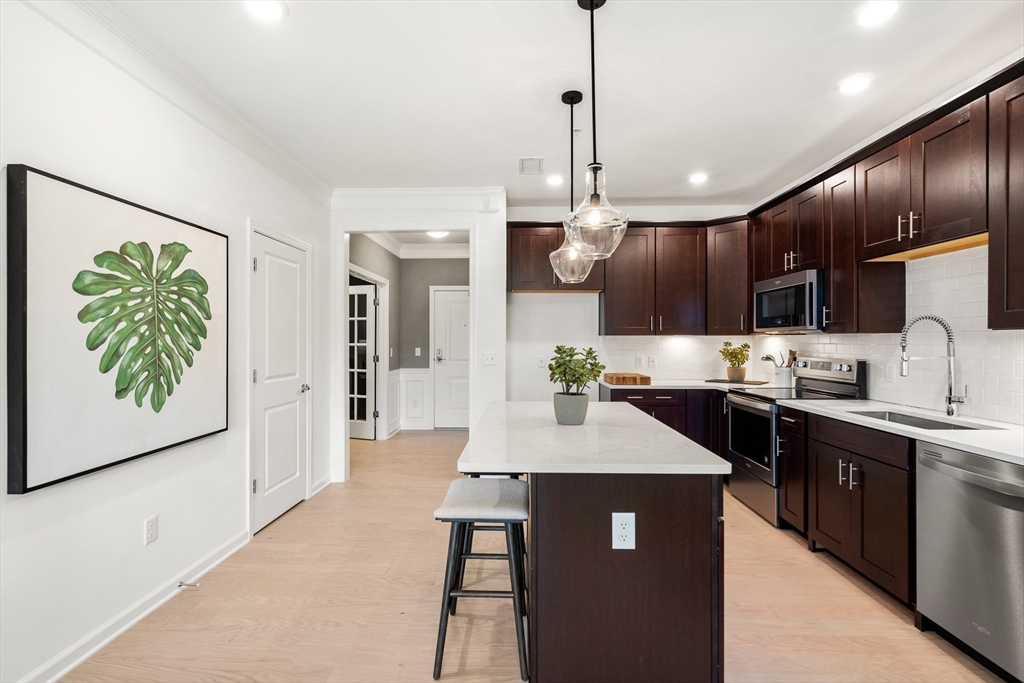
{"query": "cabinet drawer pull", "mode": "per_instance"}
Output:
(789, 420)
(852, 481)
(841, 477)
(667, 398)
(634, 398)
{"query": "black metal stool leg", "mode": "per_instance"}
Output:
(517, 598)
(465, 546)
(442, 627)
(524, 581)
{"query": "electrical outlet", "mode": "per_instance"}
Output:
(639, 361)
(391, 354)
(417, 351)
(150, 530)
(414, 404)
(652, 361)
(490, 358)
(542, 362)
(623, 531)
(890, 373)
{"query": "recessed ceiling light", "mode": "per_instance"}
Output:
(555, 180)
(267, 10)
(438, 234)
(851, 85)
(876, 12)
(698, 178)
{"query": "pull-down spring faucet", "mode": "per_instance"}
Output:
(951, 398)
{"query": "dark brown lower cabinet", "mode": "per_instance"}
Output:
(649, 614)
(859, 508)
(673, 416)
(793, 479)
(701, 417)
(694, 413)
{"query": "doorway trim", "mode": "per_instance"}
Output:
(433, 380)
(382, 390)
(255, 228)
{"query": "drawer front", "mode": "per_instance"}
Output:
(793, 420)
(890, 449)
(650, 397)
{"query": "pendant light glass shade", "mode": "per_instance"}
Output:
(569, 262)
(595, 223)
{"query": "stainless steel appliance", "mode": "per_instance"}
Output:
(754, 426)
(790, 304)
(970, 550)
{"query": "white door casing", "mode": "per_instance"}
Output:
(362, 361)
(449, 359)
(280, 316)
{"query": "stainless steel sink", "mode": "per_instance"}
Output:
(915, 421)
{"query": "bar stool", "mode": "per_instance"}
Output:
(484, 505)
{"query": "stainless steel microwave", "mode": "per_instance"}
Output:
(790, 304)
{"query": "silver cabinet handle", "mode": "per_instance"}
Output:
(910, 232)
(665, 398)
(652, 323)
(792, 260)
(789, 420)
(824, 315)
(725, 408)
(899, 228)
(660, 326)
(852, 470)
(304, 389)
(742, 326)
(778, 444)
(634, 398)
(785, 261)
(841, 477)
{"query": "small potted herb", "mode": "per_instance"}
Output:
(573, 370)
(735, 356)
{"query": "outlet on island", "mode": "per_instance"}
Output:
(150, 529)
(623, 531)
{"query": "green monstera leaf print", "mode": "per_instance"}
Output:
(151, 324)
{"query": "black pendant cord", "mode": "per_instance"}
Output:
(593, 82)
(572, 156)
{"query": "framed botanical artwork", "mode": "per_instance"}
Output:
(117, 330)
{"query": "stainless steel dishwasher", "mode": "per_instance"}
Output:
(970, 550)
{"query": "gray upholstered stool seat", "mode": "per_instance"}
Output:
(485, 500)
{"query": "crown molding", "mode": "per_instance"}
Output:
(94, 23)
(422, 251)
(385, 240)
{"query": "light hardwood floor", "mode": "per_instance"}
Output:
(347, 587)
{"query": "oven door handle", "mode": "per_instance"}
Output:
(759, 406)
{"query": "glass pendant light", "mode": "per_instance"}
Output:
(595, 223)
(568, 260)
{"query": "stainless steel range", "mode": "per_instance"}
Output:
(754, 425)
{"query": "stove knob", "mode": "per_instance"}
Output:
(848, 368)
(837, 366)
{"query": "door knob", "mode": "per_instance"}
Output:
(304, 389)
(440, 357)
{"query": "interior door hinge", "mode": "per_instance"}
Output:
(254, 377)
(254, 267)
(376, 302)
(376, 358)
(254, 486)
(376, 414)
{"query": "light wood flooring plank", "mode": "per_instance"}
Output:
(346, 587)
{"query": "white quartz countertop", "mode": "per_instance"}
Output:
(1005, 442)
(523, 437)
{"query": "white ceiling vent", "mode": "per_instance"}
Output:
(531, 164)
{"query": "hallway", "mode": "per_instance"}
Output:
(347, 587)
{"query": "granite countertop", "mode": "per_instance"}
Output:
(1004, 442)
(523, 437)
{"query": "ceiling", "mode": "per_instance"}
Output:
(452, 93)
(453, 237)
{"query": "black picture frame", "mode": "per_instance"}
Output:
(18, 260)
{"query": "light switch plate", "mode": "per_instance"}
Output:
(652, 361)
(417, 351)
(623, 531)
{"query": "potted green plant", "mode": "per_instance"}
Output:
(735, 356)
(573, 370)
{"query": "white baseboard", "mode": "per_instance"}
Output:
(320, 485)
(64, 662)
(417, 398)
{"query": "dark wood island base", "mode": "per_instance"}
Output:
(650, 614)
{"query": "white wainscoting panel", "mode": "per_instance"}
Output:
(394, 403)
(417, 398)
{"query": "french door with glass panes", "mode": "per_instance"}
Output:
(362, 361)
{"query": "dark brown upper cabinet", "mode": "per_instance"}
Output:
(779, 234)
(627, 302)
(529, 266)
(947, 176)
(727, 284)
(883, 201)
(840, 258)
(807, 249)
(1006, 207)
(680, 297)
(758, 248)
(655, 283)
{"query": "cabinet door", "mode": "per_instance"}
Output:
(530, 265)
(673, 416)
(830, 507)
(627, 302)
(594, 281)
(793, 479)
(840, 262)
(881, 524)
(883, 201)
(680, 296)
(808, 230)
(759, 248)
(727, 279)
(701, 417)
(780, 238)
(1006, 207)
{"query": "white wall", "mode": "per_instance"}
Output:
(73, 569)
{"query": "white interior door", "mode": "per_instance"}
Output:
(362, 361)
(280, 402)
(449, 311)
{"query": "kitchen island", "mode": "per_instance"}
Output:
(653, 613)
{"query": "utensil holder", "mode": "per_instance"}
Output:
(784, 377)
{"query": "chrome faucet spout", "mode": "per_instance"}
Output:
(951, 398)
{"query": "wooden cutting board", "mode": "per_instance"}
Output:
(631, 378)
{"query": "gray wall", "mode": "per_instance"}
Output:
(365, 253)
(417, 277)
